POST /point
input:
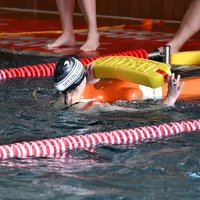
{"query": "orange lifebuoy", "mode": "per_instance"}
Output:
(110, 90)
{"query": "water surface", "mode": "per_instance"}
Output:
(163, 169)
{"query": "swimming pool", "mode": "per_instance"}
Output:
(167, 168)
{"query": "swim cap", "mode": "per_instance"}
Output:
(68, 73)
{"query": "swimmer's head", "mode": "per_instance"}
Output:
(69, 72)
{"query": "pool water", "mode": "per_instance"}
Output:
(163, 169)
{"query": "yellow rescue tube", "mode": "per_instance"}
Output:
(185, 58)
(136, 70)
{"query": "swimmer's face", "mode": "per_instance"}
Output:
(74, 96)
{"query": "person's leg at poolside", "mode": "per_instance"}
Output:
(66, 9)
(88, 8)
(189, 26)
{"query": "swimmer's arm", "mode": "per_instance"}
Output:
(106, 107)
(174, 90)
(98, 108)
(90, 74)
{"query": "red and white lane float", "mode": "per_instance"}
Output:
(43, 70)
(52, 147)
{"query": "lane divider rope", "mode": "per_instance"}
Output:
(43, 70)
(51, 147)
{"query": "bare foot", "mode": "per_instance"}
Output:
(92, 43)
(63, 40)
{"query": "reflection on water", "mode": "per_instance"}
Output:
(168, 168)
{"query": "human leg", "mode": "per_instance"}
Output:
(88, 8)
(65, 9)
(189, 26)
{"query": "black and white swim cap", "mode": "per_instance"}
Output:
(69, 72)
